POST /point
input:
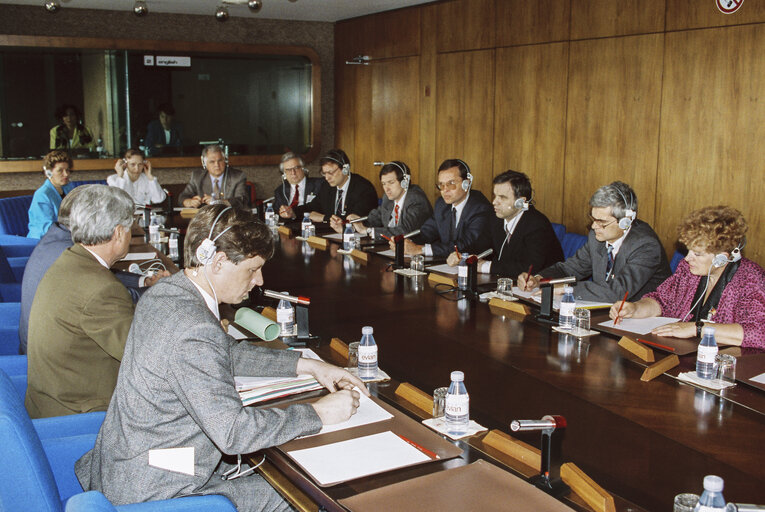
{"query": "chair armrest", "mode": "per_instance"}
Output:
(62, 453)
(67, 426)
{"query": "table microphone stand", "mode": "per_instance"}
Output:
(398, 262)
(553, 428)
(547, 314)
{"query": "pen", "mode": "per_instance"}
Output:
(530, 268)
(659, 345)
(626, 294)
(386, 237)
(424, 450)
(457, 251)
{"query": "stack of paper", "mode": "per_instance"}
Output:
(253, 390)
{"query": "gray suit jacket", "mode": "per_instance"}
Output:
(176, 389)
(640, 266)
(416, 210)
(234, 187)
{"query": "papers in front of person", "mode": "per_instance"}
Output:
(390, 253)
(639, 325)
(586, 304)
(253, 390)
(339, 236)
(356, 458)
(760, 379)
(444, 269)
(139, 256)
(524, 294)
(368, 412)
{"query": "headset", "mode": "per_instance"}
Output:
(406, 180)
(468, 181)
(225, 158)
(345, 166)
(295, 157)
(522, 204)
(48, 172)
(206, 250)
(721, 259)
(629, 213)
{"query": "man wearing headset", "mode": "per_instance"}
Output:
(342, 194)
(622, 254)
(296, 188)
(404, 208)
(460, 219)
(521, 235)
(215, 182)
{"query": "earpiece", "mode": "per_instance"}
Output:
(629, 213)
(521, 204)
(48, 172)
(468, 181)
(721, 259)
(407, 178)
(345, 166)
(206, 250)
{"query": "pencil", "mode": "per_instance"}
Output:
(424, 450)
(386, 237)
(626, 294)
(659, 345)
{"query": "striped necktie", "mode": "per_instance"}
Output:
(610, 263)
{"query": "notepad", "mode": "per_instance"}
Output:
(368, 412)
(138, 256)
(639, 325)
(356, 458)
(760, 379)
(444, 269)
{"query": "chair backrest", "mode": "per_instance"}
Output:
(27, 481)
(571, 243)
(676, 259)
(14, 215)
(6, 272)
(252, 195)
(560, 231)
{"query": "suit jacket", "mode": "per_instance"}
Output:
(155, 135)
(176, 389)
(234, 187)
(416, 210)
(44, 208)
(472, 229)
(361, 198)
(312, 186)
(533, 243)
(51, 245)
(639, 267)
(76, 336)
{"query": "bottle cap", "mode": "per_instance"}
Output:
(568, 289)
(708, 330)
(458, 376)
(306, 215)
(713, 483)
(367, 329)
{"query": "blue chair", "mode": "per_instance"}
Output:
(38, 462)
(571, 243)
(560, 231)
(94, 501)
(676, 259)
(15, 366)
(14, 215)
(10, 292)
(10, 313)
(15, 245)
(12, 269)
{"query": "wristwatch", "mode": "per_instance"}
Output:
(699, 326)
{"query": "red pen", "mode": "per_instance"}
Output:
(424, 450)
(659, 345)
(458, 252)
(386, 237)
(626, 294)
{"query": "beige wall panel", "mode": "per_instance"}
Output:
(603, 18)
(524, 22)
(465, 25)
(712, 129)
(530, 119)
(612, 125)
(465, 112)
(683, 14)
(384, 35)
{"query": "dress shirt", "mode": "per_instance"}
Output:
(427, 250)
(510, 225)
(400, 203)
(301, 192)
(344, 188)
(143, 190)
(212, 305)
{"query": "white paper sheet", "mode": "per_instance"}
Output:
(760, 379)
(179, 460)
(138, 256)
(390, 253)
(368, 412)
(587, 304)
(358, 457)
(444, 269)
(640, 325)
(334, 236)
(525, 295)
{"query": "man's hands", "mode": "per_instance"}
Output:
(527, 282)
(336, 223)
(285, 212)
(152, 280)
(337, 407)
(193, 202)
(119, 166)
(410, 248)
(342, 401)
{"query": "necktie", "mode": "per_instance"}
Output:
(339, 203)
(453, 227)
(216, 189)
(395, 215)
(610, 264)
(296, 197)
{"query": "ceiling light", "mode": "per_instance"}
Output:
(140, 8)
(221, 13)
(52, 6)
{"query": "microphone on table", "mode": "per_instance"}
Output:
(289, 298)
(413, 233)
(269, 200)
(485, 253)
(360, 219)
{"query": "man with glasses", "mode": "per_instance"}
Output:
(460, 218)
(622, 254)
(296, 189)
(342, 193)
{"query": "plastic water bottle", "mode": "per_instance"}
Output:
(348, 238)
(457, 405)
(711, 499)
(706, 368)
(173, 246)
(285, 317)
(306, 226)
(154, 229)
(367, 354)
(567, 306)
(462, 273)
(270, 217)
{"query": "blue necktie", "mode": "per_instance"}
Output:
(610, 264)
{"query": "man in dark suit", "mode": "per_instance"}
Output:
(342, 193)
(404, 208)
(622, 253)
(460, 218)
(296, 189)
(162, 133)
(215, 182)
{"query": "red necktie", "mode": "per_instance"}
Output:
(296, 197)
(395, 215)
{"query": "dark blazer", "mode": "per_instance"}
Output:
(640, 266)
(234, 187)
(472, 230)
(155, 134)
(414, 212)
(52, 244)
(361, 199)
(533, 243)
(312, 186)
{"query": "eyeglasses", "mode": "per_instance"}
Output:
(449, 185)
(600, 223)
(294, 169)
(330, 173)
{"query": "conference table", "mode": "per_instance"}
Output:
(644, 442)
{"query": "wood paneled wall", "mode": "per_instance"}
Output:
(667, 95)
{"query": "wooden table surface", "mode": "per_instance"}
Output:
(644, 441)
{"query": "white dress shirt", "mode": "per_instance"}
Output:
(143, 190)
(301, 192)
(344, 188)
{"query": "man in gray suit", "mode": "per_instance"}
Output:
(404, 208)
(622, 253)
(175, 411)
(215, 182)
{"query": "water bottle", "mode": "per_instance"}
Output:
(706, 368)
(100, 147)
(567, 306)
(285, 317)
(457, 405)
(270, 217)
(154, 229)
(711, 499)
(173, 246)
(348, 238)
(462, 273)
(306, 226)
(367, 354)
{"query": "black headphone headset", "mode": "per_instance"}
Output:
(468, 181)
(629, 210)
